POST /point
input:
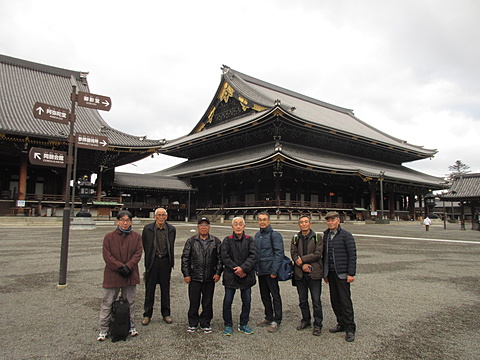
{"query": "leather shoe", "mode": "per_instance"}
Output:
(337, 329)
(303, 325)
(317, 331)
(145, 321)
(167, 319)
(349, 336)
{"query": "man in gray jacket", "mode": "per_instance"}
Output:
(270, 252)
(340, 265)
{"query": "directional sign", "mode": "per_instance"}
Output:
(93, 101)
(50, 113)
(92, 142)
(46, 157)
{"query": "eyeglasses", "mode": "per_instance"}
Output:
(160, 214)
(203, 225)
(124, 220)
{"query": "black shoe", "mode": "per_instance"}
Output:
(337, 329)
(317, 331)
(303, 325)
(349, 336)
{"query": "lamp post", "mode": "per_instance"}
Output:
(85, 191)
(429, 204)
(380, 178)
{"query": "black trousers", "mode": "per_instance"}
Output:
(159, 274)
(271, 299)
(341, 300)
(200, 292)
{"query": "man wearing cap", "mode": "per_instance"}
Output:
(158, 240)
(340, 264)
(201, 268)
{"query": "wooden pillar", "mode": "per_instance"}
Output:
(411, 205)
(373, 198)
(22, 178)
(391, 204)
(99, 185)
(277, 190)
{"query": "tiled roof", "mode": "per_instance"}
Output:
(150, 181)
(313, 159)
(466, 186)
(23, 83)
(330, 117)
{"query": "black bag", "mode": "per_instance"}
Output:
(120, 320)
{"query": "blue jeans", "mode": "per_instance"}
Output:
(315, 287)
(246, 295)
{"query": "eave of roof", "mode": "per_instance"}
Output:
(464, 187)
(150, 181)
(302, 157)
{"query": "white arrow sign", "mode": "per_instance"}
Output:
(37, 156)
(103, 143)
(106, 103)
(40, 110)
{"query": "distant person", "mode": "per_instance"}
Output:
(238, 256)
(122, 250)
(201, 268)
(306, 250)
(158, 242)
(340, 265)
(427, 222)
(270, 252)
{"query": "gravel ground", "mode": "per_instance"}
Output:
(415, 297)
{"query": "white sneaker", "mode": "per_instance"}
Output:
(102, 336)
(133, 332)
(207, 330)
(191, 329)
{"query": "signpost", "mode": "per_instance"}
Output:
(92, 142)
(46, 157)
(94, 101)
(50, 113)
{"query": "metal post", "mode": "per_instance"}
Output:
(444, 216)
(66, 211)
(188, 209)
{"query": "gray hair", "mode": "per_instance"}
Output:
(238, 217)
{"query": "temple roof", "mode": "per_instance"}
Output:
(149, 181)
(23, 83)
(464, 187)
(302, 157)
(261, 98)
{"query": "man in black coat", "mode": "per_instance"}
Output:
(201, 268)
(158, 240)
(340, 265)
(238, 256)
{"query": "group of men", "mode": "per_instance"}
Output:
(242, 259)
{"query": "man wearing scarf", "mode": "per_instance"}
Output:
(122, 250)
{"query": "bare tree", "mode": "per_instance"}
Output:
(459, 168)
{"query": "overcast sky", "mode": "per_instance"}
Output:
(408, 67)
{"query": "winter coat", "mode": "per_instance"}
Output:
(149, 244)
(270, 251)
(200, 262)
(313, 255)
(121, 249)
(344, 253)
(243, 255)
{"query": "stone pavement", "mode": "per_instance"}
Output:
(416, 296)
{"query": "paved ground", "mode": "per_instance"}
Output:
(416, 296)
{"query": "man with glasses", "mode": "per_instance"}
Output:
(122, 251)
(201, 268)
(270, 252)
(158, 243)
(306, 250)
(340, 265)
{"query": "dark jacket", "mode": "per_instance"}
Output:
(313, 256)
(344, 253)
(270, 251)
(243, 255)
(148, 240)
(200, 262)
(121, 249)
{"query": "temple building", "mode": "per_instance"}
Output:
(40, 188)
(262, 147)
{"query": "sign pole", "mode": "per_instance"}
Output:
(66, 211)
